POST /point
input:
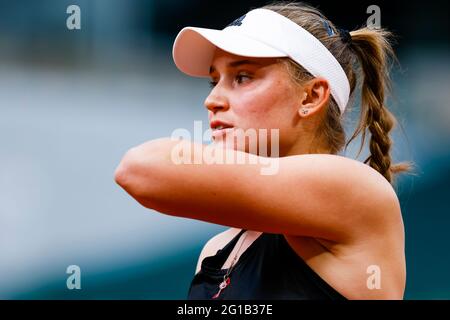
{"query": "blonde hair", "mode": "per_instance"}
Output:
(366, 56)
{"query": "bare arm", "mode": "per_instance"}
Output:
(317, 195)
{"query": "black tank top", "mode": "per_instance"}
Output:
(268, 269)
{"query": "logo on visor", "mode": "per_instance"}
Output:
(236, 22)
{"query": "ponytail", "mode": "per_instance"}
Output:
(373, 51)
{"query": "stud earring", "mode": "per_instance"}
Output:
(304, 111)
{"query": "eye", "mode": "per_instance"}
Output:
(242, 76)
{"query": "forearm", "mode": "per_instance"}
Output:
(167, 174)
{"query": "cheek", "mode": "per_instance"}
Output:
(269, 105)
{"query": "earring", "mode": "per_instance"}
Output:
(304, 111)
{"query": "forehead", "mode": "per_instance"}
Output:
(226, 60)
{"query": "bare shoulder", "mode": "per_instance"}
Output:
(376, 245)
(214, 244)
(371, 186)
(363, 192)
(349, 175)
(374, 257)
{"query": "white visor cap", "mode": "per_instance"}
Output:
(261, 33)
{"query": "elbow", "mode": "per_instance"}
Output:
(125, 171)
(140, 173)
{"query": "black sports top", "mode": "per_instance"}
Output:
(268, 269)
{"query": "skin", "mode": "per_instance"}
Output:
(338, 214)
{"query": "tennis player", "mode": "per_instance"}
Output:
(322, 226)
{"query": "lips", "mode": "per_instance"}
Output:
(220, 128)
(219, 125)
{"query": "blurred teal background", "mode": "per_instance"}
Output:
(73, 102)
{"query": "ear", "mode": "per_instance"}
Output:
(314, 97)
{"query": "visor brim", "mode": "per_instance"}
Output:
(194, 48)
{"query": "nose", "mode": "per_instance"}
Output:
(216, 100)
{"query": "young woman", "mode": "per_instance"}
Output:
(322, 226)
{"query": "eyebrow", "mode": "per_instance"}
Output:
(235, 64)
